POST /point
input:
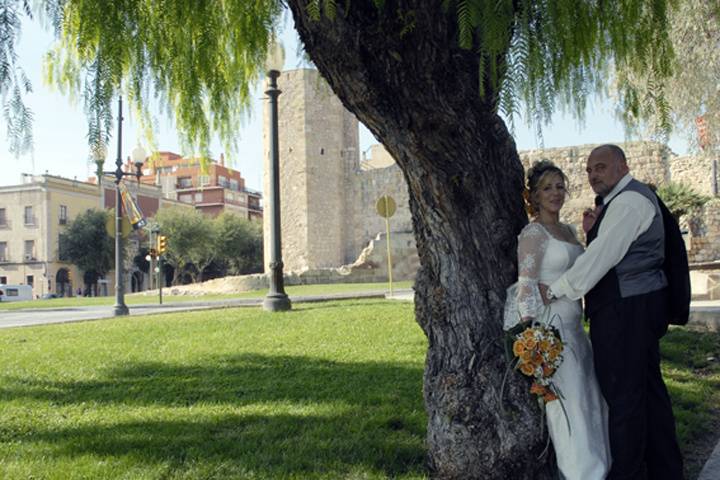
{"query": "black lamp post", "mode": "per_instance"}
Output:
(120, 308)
(276, 299)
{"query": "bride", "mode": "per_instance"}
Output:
(546, 248)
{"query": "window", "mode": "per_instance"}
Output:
(3, 218)
(234, 185)
(30, 280)
(29, 249)
(185, 198)
(29, 217)
(198, 197)
(222, 181)
(204, 180)
(3, 253)
(3, 280)
(185, 182)
(63, 214)
(62, 248)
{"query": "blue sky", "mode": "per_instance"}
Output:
(60, 126)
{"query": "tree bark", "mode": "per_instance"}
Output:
(418, 93)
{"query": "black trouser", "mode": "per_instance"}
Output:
(625, 337)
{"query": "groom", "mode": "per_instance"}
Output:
(620, 274)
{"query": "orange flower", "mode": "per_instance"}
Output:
(549, 396)
(530, 343)
(526, 356)
(547, 370)
(537, 389)
(545, 345)
(518, 348)
(527, 369)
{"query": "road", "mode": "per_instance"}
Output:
(44, 316)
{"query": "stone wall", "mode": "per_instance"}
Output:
(705, 238)
(367, 186)
(648, 161)
(694, 171)
(328, 195)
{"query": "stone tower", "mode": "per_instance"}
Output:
(318, 143)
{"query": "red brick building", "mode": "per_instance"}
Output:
(213, 191)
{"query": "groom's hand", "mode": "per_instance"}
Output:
(543, 293)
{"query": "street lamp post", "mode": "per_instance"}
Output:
(276, 299)
(120, 308)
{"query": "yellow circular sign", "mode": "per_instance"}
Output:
(386, 206)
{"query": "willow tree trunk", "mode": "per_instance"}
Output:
(417, 91)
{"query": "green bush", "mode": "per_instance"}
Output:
(681, 199)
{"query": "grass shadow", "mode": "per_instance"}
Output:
(237, 380)
(276, 416)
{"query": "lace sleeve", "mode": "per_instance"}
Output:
(532, 243)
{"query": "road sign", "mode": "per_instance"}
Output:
(386, 206)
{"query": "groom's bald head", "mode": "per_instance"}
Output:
(606, 166)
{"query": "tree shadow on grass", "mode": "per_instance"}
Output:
(331, 416)
(269, 446)
(237, 380)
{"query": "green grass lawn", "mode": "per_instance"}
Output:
(136, 299)
(326, 391)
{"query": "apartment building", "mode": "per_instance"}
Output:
(32, 217)
(212, 190)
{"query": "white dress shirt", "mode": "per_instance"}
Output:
(626, 218)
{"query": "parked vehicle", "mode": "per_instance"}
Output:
(15, 293)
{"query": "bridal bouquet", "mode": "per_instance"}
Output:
(538, 349)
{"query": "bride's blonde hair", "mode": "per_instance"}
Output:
(536, 176)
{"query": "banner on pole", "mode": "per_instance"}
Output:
(133, 210)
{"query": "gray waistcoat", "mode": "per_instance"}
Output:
(640, 270)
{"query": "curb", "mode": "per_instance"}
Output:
(711, 470)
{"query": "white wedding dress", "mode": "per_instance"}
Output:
(583, 451)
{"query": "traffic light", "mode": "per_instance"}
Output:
(161, 244)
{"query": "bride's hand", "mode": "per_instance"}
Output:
(543, 293)
(589, 217)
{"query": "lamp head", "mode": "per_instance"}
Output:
(138, 156)
(99, 153)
